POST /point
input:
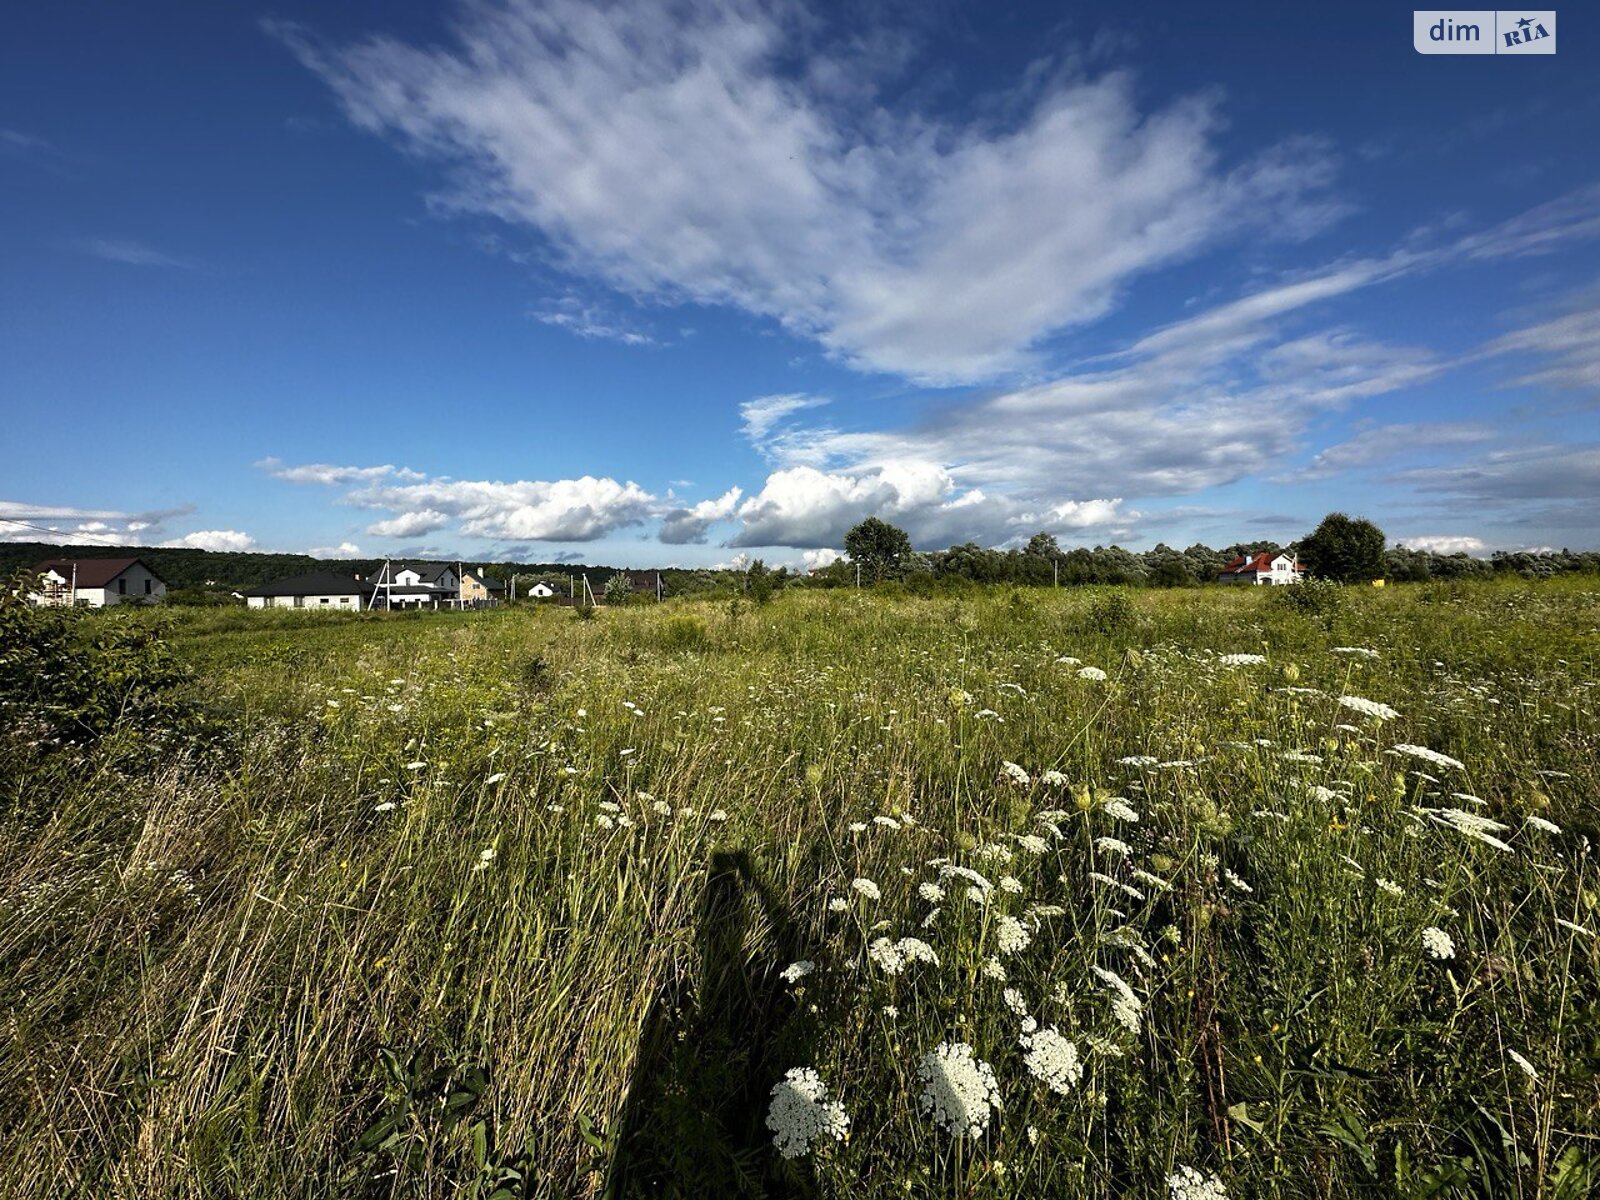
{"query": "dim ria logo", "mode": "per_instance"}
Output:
(1484, 31)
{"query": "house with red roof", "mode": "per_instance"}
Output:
(97, 582)
(1266, 568)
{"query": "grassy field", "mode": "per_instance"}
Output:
(517, 904)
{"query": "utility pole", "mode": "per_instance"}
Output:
(858, 574)
(1056, 563)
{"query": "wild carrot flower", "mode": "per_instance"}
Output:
(796, 971)
(1052, 1059)
(1542, 825)
(1437, 943)
(1012, 773)
(867, 888)
(1242, 660)
(1369, 708)
(931, 892)
(801, 1113)
(893, 957)
(958, 1090)
(1186, 1183)
(1011, 935)
(1120, 809)
(1094, 674)
(1430, 756)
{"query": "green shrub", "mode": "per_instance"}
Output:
(684, 633)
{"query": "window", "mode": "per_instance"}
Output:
(324, 600)
(147, 587)
(122, 587)
(299, 601)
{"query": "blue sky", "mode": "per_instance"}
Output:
(670, 283)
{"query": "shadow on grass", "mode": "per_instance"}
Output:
(694, 1120)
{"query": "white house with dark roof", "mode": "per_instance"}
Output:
(97, 582)
(317, 590)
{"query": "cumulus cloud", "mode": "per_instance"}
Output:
(669, 151)
(410, 524)
(342, 550)
(562, 510)
(680, 526)
(213, 539)
(1454, 543)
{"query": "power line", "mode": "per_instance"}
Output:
(57, 532)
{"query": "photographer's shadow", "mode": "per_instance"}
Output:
(693, 1123)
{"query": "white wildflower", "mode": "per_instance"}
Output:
(1188, 1184)
(1369, 708)
(838, 904)
(1015, 774)
(801, 1113)
(1014, 1001)
(1544, 826)
(796, 971)
(1235, 881)
(1034, 844)
(894, 957)
(958, 1090)
(1054, 779)
(1430, 756)
(994, 969)
(1437, 943)
(867, 888)
(1111, 845)
(886, 822)
(1011, 935)
(1010, 883)
(1091, 673)
(1052, 1059)
(1356, 651)
(1242, 660)
(1120, 809)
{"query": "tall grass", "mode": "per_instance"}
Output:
(500, 903)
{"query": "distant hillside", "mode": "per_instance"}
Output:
(230, 570)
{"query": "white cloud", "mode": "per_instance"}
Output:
(765, 413)
(342, 550)
(815, 559)
(1379, 444)
(1455, 543)
(683, 525)
(805, 507)
(329, 475)
(667, 151)
(74, 525)
(213, 539)
(591, 322)
(410, 524)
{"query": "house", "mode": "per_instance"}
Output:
(646, 583)
(1266, 567)
(97, 582)
(419, 585)
(480, 590)
(540, 590)
(318, 589)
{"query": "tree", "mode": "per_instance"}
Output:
(1343, 548)
(619, 588)
(879, 549)
(759, 582)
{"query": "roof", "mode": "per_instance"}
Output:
(489, 583)
(315, 583)
(426, 572)
(92, 572)
(1245, 564)
(644, 581)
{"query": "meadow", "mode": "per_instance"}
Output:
(1009, 893)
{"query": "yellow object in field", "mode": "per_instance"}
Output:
(1377, 583)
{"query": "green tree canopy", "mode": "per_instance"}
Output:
(1344, 548)
(881, 550)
